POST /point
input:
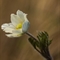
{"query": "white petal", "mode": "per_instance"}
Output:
(21, 15)
(19, 31)
(8, 28)
(25, 26)
(15, 19)
(13, 35)
(25, 17)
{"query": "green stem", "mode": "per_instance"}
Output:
(49, 58)
(29, 34)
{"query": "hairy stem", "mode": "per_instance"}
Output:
(29, 34)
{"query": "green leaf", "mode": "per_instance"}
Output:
(32, 41)
(43, 39)
(49, 42)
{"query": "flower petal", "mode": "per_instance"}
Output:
(25, 17)
(8, 28)
(25, 26)
(13, 35)
(15, 19)
(21, 15)
(18, 31)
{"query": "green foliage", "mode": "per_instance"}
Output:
(32, 42)
(41, 44)
(43, 39)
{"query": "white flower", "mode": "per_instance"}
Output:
(19, 25)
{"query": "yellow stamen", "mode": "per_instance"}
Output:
(19, 26)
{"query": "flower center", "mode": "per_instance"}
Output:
(19, 26)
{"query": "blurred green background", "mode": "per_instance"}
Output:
(44, 15)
